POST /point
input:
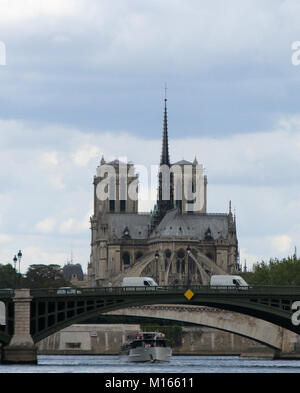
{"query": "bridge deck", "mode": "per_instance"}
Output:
(196, 289)
(53, 309)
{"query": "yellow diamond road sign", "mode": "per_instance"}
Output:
(189, 294)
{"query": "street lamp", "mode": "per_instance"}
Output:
(19, 258)
(156, 262)
(188, 250)
(15, 261)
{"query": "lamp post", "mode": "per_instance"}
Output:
(15, 261)
(19, 258)
(188, 250)
(156, 264)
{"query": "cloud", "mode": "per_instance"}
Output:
(129, 33)
(33, 254)
(91, 63)
(5, 238)
(46, 226)
(83, 155)
(57, 182)
(73, 226)
(50, 158)
(20, 11)
(281, 243)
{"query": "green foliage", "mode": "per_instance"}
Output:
(45, 276)
(9, 278)
(276, 272)
(173, 333)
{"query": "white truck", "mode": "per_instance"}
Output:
(68, 291)
(139, 283)
(228, 281)
(2, 314)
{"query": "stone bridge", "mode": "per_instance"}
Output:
(266, 333)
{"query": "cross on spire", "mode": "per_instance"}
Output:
(166, 88)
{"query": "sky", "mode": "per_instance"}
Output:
(85, 78)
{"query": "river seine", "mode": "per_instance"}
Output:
(178, 364)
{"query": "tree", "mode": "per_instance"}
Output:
(9, 278)
(276, 272)
(45, 276)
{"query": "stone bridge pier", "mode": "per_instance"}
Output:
(21, 349)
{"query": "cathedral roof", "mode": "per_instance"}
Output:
(136, 224)
(174, 225)
(197, 225)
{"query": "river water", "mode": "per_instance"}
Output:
(178, 364)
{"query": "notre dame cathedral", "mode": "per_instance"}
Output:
(177, 243)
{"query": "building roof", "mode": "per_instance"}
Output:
(196, 225)
(174, 224)
(71, 270)
(137, 225)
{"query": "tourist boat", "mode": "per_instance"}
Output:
(147, 347)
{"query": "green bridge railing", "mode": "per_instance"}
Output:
(196, 289)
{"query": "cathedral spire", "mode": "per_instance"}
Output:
(165, 158)
(165, 200)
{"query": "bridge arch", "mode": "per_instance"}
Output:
(252, 328)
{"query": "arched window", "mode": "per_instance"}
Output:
(122, 205)
(126, 258)
(112, 205)
(180, 253)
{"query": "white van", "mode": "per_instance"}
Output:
(228, 281)
(68, 291)
(2, 314)
(140, 283)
